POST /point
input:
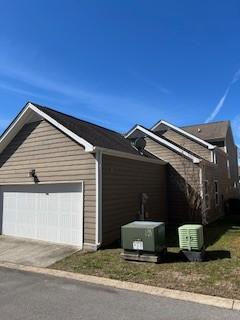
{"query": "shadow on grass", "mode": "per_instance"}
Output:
(217, 255)
(214, 231)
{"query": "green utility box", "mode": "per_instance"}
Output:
(143, 236)
(191, 237)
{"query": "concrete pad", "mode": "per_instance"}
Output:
(32, 253)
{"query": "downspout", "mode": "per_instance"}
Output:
(98, 239)
(201, 190)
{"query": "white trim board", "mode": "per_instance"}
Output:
(185, 133)
(25, 116)
(164, 142)
(87, 145)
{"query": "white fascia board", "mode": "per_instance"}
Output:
(88, 147)
(17, 125)
(185, 133)
(22, 119)
(166, 143)
(131, 131)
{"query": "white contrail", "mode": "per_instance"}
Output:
(220, 104)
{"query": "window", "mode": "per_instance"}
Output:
(228, 168)
(214, 157)
(206, 195)
(216, 192)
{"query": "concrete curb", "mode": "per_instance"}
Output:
(162, 292)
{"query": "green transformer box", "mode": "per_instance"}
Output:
(145, 236)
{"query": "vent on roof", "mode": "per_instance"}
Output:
(139, 144)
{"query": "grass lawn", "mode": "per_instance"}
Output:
(219, 275)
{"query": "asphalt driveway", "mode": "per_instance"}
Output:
(31, 252)
(28, 296)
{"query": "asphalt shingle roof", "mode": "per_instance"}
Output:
(209, 131)
(96, 135)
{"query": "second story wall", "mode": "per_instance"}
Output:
(188, 144)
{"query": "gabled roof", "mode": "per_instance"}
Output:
(163, 124)
(96, 135)
(137, 128)
(209, 131)
(89, 135)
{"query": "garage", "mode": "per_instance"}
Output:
(48, 212)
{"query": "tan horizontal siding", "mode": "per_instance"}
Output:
(123, 182)
(68, 162)
(42, 154)
(188, 144)
(179, 170)
(56, 158)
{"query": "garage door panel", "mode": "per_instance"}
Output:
(50, 213)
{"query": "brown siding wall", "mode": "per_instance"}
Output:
(189, 144)
(179, 170)
(123, 182)
(55, 157)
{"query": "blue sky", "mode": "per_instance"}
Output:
(117, 63)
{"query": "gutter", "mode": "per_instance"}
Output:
(126, 155)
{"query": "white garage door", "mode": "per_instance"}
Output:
(45, 212)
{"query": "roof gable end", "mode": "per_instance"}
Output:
(164, 124)
(137, 128)
(31, 113)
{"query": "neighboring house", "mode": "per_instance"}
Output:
(220, 134)
(69, 181)
(198, 172)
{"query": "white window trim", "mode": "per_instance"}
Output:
(216, 193)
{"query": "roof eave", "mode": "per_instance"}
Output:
(183, 132)
(166, 143)
(22, 119)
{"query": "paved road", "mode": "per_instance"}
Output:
(27, 296)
